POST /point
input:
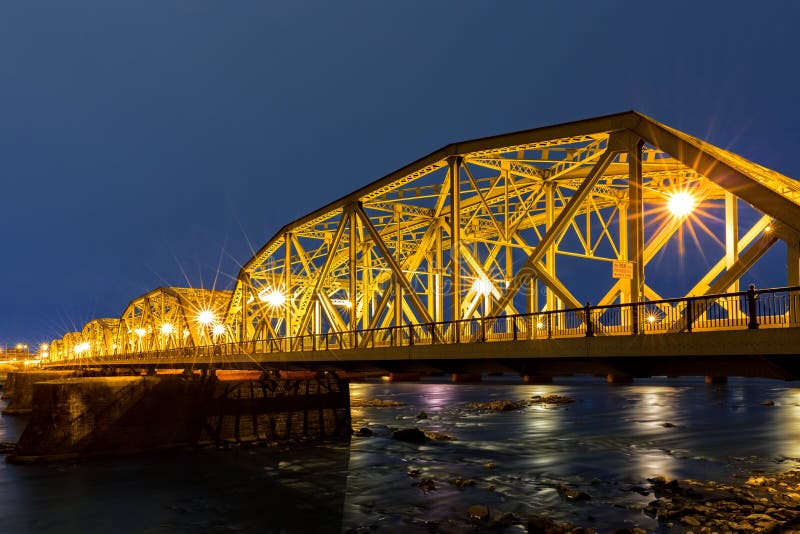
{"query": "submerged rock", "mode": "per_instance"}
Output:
(551, 399)
(375, 403)
(498, 405)
(422, 415)
(541, 524)
(462, 483)
(364, 431)
(426, 484)
(439, 436)
(572, 494)
(478, 511)
(411, 435)
(761, 504)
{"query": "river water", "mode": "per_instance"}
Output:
(606, 444)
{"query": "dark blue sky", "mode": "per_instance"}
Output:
(146, 143)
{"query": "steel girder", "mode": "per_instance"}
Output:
(474, 228)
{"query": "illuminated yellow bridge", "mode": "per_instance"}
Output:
(484, 255)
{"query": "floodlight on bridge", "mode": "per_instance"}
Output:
(206, 317)
(272, 297)
(681, 203)
(80, 348)
(140, 332)
(482, 286)
(218, 330)
(167, 329)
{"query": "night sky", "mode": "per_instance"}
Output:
(155, 143)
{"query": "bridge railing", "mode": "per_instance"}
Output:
(764, 308)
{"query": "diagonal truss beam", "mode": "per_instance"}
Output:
(416, 303)
(734, 272)
(558, 227)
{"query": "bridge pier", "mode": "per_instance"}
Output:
(619, 379)
(404, 377)
(98, 416)
(466, 378)
(537, 379)
(716, 379)
(21, 391)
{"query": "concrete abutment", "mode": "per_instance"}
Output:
(98, 416)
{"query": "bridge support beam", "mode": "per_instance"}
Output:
(537, 379)
(404, 377)
(466, 378)
(716, 379)
(619, 379)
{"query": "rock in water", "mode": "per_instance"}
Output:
(572, 494)
(478, 511)
(411, 435)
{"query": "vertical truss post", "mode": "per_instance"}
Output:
(793, 271)
(245, 330)
(287, 284)
(731, 235)
(398, 290)
(636, 227)
(550, 254)
(455, 238)
(438, 315)
(532, 300)
(624, 285)
(353, 278)
(367, 296)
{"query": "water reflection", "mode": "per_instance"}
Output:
(611, 438)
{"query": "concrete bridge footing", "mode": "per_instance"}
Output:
(99, 416)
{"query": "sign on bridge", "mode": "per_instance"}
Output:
(622, 269)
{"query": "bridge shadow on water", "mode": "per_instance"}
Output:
(241, 490)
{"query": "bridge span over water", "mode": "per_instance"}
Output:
(547, 251)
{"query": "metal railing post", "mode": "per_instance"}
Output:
(751, 307)
(689, 314)
(587, 310)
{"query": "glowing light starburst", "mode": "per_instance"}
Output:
(681, 203)
(205, 317)
(272, 297)
(482, 286)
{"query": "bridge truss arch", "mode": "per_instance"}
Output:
(99, 338)
(172, 317)
(516, 223)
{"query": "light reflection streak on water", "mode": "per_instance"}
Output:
(787, 427)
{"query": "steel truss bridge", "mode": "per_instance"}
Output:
(548, 244)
